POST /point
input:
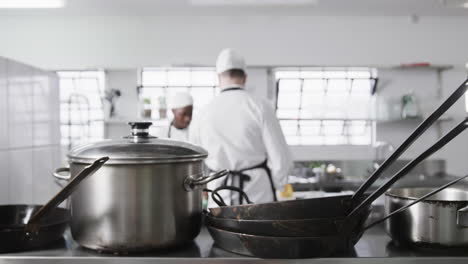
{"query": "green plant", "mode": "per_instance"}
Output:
(147, 101)
(315, 164)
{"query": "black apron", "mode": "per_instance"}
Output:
(242, 176)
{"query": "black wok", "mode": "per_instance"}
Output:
(24, 227)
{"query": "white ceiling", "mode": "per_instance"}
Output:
(323, 7)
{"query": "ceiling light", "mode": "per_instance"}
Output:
(32, 3)
(252, 2)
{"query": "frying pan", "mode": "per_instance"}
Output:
(280, 228)
(24, 227)
(341, 206)
(277, 247)
(14, 218)
(249, 242)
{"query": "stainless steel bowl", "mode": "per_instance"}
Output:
(440, 220)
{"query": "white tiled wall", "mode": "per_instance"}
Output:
(20, 105)
(3, 106)
(29, 133)
(21, 176)
(4, 178)
(43, 186)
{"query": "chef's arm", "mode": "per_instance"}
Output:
(278, 154)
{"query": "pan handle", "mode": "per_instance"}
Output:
(220, 201)
(59, 176)
(462, 217)
(33, 224)
(452, 99)
(191, 182)
(464, 211)
(434, 148)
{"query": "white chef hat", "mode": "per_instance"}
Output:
(229, 59)
(179, 100)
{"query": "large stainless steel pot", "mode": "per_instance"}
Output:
(145, 197)
(440, 220)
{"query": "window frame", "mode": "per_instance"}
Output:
(166, 87)
(346, 121)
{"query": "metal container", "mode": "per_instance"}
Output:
(145, 197)
(440, 220)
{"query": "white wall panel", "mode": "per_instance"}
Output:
(21, 176)
(4, 177)
(3, 105)
(20, 105)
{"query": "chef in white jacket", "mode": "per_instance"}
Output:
(241, 133)
(181, 105)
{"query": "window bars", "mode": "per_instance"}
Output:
(326, 106)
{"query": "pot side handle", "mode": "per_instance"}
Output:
(191, 182)
(59, 176)
(462, 217)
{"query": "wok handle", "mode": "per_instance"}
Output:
(438, 145)
(462, 217)
(191, 182)
(59, 176)
(457, 94)
(32, 224)
(399, 210)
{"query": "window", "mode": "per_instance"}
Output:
(326, 106)
(81, 107)
(157, 84)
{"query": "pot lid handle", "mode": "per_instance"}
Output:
(140, 132)
(140, 129)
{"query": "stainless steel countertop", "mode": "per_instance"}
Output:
(374, 246)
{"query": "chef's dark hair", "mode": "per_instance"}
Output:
(236, 73)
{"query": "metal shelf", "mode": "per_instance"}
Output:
(422, 67)
(411, 121)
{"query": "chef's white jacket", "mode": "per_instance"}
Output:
(174, 133)
(239, 131)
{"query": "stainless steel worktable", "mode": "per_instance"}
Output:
(375, 246)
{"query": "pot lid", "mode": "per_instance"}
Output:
(138, 148)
